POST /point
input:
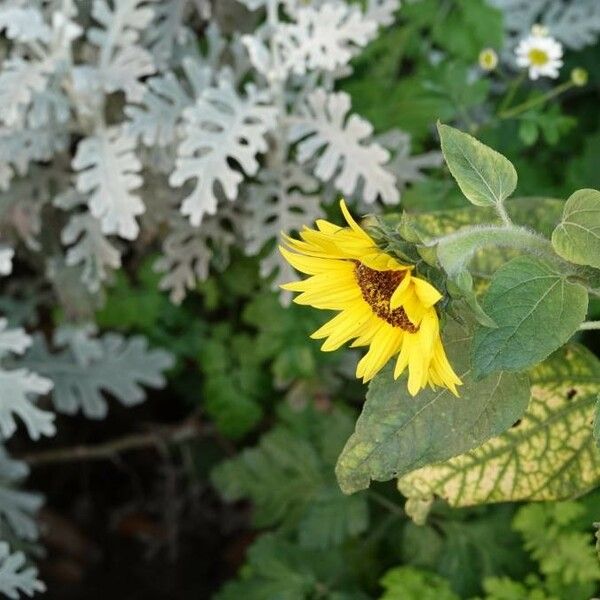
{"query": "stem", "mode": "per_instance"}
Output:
(394, 508)
(501, 210)
(512, 90)
(186, 431)
(456, 249)
(520, 108)
(588, 325)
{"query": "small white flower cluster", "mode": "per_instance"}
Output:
(540, 53)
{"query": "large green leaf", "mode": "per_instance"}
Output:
(577, 236)
(397, 433)
(549, 455)
(536, 311)
(485, 177)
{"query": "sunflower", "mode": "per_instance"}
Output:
(381, 303)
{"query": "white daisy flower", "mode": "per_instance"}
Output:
(540, 53)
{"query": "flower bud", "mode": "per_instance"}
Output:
(579, 76)
(488, 59)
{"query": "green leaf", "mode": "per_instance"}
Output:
(577, 236)
(536, 311)
(469, 26)
(397, 433)
(549, 455)
(485, 176)
(289, 477)
(408, 583)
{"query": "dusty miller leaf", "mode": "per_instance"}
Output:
(397, 433)
(17, 508)
(322, 38)
(382, 11)
(188, 252)
(122, 62)
(406, 167)
(19, 80)
(549, 455)
(6, 256)
(24, 24)
(15, 576)
(108, 170)
(220, 127)
(281, 201)
(112, 364)
(575, 24)
(341, 146)
(155, 121)
(17, 388)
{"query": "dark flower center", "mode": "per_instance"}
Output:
(377, 288)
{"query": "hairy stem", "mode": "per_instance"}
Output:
(588, 325)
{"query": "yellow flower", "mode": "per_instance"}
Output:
(381, 303)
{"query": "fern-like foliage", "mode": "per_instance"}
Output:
(15, 576)
(289, 479)
(86, 367)
(221, 127)
(18, 387)
(342, 147)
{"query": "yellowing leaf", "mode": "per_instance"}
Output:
(549, 455)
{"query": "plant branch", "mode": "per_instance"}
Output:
(520, 108)
(164, 436)
(588, 325)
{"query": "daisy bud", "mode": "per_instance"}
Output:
(488, 59)
(579, 76)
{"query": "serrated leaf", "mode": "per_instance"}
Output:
(15, 576)
(341, 145)
(289, 478)
(322, 38)
(484, 176)
(277, 569)
(549, 455)
(409, 583)
(117, 365)
(18, 387)
(18, 508)
(109, 172)
(397, 433)
(219, 128)
(281, 201)
(536, 311)
(577, 236)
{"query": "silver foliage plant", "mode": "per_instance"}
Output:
(131, 125)
(575, 23)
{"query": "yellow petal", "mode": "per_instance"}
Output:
(353, 224)
(400, 292)
(427, 294)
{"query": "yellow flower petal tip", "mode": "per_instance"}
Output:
(378, 300)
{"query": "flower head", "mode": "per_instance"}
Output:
(540, 53)
(488, 59)
(380, 303)
(579, 77)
